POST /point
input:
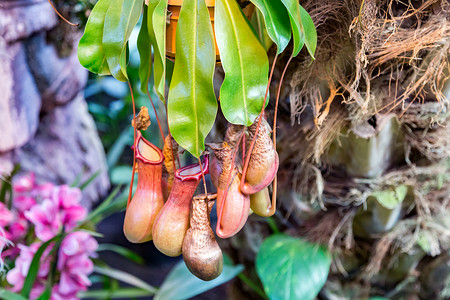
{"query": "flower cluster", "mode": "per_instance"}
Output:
(49, 210)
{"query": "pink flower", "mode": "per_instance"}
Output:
(6, 215)
(46, 219)
(68, 200)
(74, 262)
(16, 276)
(25, 183)
(23, 203)
(57, 296)
(61, 209)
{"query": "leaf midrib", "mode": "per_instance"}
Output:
(194, 59)
(244, 96)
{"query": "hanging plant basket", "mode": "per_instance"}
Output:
(173, 11)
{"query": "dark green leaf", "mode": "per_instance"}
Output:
(157, 33)
(8, 295)
(181, 284)
(294, 16)
(145, 53)
(244, 61)
(125, 277)
(277, 22)
(192, 104)
(90, 49)
(291, 268)
(34, 266)
(120, 19)
(257, 22)
(125, 252)
(121, 293)
(309, 31)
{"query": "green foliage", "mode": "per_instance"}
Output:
(125, 277)
(91, 53)
(121, 17)
(293, 9)
(181, 284)
(246, 71)
(277, 22)
(291, 268)
(125, 252)
(309, 31)
(192, 105)
(8, 295)
(145, 53)
(157, 32)
(34, 266)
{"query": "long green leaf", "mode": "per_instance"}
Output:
(181, 284)
(277, 22)
(8, 295)
(121, 293)
(125, 252)
(90, 49)
(34, 266)
(309, 31)
(145, 53)
(125, 277)
(294, 16)
(192, 105)
(291, 268)
(157, 32)
(100, 210)
(120, 19)
(244, 61)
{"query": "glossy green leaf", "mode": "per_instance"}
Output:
(145, 53)
(125, 277)
(277, 22)
(8, 295)
(192, 104)
(157, 31)
(181, 284)
(257, 22)
(90, 49)
(244, 61)
(34, 266)
(291, 268)
(120, 19)
(293, 9)
(309, 31)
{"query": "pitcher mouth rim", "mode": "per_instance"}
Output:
(140, 157)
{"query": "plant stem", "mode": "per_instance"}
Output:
(203, 177)
(134, 146)
(61, 16)
(252, 285)
(276, 103)
(272, 225)
(156, 115)
(249, 153)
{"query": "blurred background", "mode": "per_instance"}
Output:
(366, 174)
